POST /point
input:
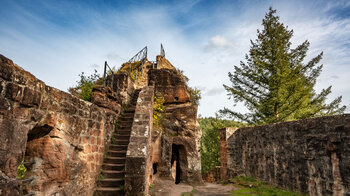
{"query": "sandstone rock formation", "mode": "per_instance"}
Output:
(61, 136)
(178, 141)
(62, 140)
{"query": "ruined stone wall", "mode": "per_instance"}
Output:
(224, 135)
(138, 166)
(123, 85)
(62, 136)
(311, 156)
(213, 175)
(180, 128)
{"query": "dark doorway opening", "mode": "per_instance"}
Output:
(175, 163)
(155, 165)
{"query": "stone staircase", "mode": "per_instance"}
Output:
(111, 178)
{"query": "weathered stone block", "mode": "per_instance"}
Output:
(30, 97)
(137, 186)
(14, 92)
(135, 166)
(5, 69)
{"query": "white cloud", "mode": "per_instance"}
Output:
(218, 42)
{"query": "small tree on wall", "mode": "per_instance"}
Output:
(274, 83)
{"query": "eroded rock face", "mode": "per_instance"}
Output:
(169, 83)
(180, 135)
(61, 136)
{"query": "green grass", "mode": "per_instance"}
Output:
(101, 177)
(189, 193)
(251, 187)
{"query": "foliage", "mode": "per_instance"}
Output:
(274, 83)
(210, 141)
(112, 139)
(136, 68)
(195, 94)
(183, 77)
(158, 110)
(250, 186)
(189, 193)
(83, 90)
(151, 186)
(21, 171)
(101, 177)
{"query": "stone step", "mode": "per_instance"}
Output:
(120, 142)
(113, 153)
(127, 115)
(112, 174)
(126, 118)
(129, 111)
(125, 122)
(115, 160)
(118, 147)
(117, 141)
(124, 126)
(109, 191)
(111, 182)
(133, 107)
(111, 166)
(122, 132)
(122, 137)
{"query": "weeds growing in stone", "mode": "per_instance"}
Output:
(251, 187)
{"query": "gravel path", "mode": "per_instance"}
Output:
(169, 188)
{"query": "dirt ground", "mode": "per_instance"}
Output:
(163, 187)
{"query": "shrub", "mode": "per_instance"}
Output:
(158, 110)
(83, 90)
(195, 95)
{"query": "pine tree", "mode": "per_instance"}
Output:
(274, 83)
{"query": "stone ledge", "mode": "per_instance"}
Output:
(138, 155)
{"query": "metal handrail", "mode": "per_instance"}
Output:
(162, 51)
(104, 75)
(140, 56)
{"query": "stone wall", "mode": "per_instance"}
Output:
(138, 157)
(61, 136)
(123, 85)
(311, 156)
(224, 135)
(213, 175)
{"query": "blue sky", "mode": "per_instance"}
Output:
(57, 40)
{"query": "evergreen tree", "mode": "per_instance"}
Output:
(274, 83)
